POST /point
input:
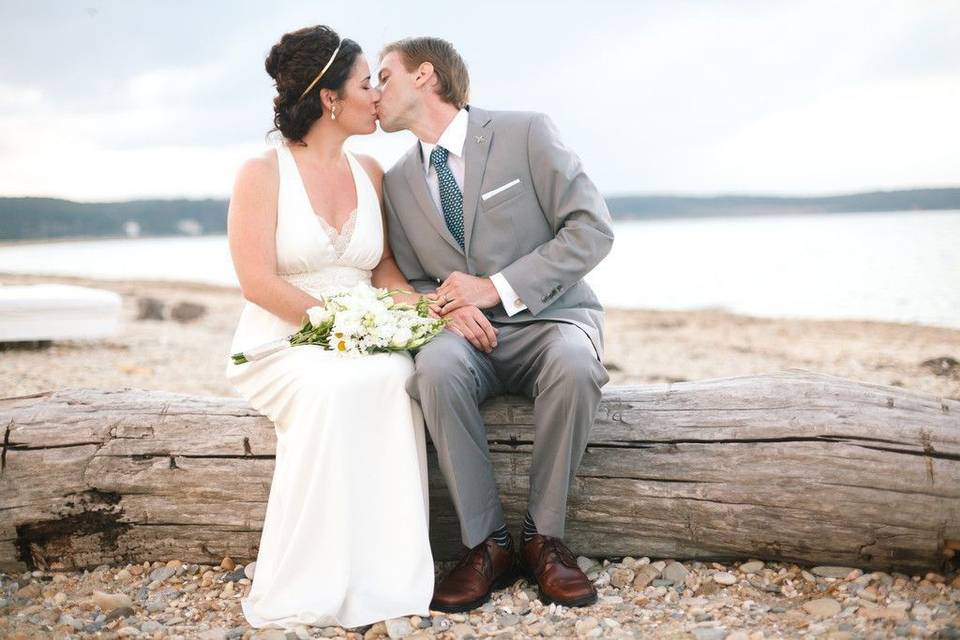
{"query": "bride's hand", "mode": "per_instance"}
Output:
(413, 297)
(406, 297)
(435, 311)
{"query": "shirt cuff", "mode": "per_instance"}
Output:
(512, 303)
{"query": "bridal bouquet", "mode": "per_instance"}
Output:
(361, 319)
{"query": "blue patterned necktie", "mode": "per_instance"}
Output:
(450, 197)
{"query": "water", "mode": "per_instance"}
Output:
(897, 266)
(881, 266)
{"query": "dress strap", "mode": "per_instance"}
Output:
(366, 193)
(289, 176)
(284, 160)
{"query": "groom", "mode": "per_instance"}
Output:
(492, 211)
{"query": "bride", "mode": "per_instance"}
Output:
(344, 539)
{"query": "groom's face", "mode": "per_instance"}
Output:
(398, 93)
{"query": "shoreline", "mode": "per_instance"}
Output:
(9, 277)
(642, 346)
(68, 239)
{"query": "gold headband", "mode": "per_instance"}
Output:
(322, 71)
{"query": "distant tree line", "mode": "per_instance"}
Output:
(23, 218)
(626, 207)
(42, 218)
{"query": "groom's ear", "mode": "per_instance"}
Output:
(425, 74)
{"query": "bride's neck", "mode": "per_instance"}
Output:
(325, 143)
(433, 120)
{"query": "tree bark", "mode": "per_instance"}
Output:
(791, 466)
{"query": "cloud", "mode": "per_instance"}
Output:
(882, 134)
(108, 174)
(681, 96)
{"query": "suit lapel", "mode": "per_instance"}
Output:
(413, 171)
(476, 148)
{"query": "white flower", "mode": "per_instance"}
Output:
(318, 315)
(362, 322)
(402, 336)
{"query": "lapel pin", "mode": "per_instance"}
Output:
(480, 139)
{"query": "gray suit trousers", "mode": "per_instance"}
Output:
(554, 364)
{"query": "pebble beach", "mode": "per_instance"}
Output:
(638, 598)
(175, 337)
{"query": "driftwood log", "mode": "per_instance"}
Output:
(792, 466)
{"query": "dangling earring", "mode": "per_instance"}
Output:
(333, 112)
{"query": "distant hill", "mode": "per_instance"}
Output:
(27, 218)
(628, 207)
(50, 218)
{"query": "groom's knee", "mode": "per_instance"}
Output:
(571, 364)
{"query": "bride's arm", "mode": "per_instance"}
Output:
(387, 274)
(251, 231)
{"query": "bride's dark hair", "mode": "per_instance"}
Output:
(294, 63)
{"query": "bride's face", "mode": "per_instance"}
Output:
(357, 108)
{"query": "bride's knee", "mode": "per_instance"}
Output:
(387, 370)
(328, 372)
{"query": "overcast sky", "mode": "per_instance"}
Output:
(128, 99)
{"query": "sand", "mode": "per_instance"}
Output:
(643, 346)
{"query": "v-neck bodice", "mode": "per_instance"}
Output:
(340, 238)
(309, 249)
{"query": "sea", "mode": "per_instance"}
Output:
(901, 266)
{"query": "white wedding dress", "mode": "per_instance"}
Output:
(345, 539)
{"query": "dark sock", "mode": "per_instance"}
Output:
(529, 528)
(501, 536)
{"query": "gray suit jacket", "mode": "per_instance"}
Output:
(544, 234)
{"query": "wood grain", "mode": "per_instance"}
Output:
(792, 466)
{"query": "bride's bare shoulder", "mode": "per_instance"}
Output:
(260, 169)
(257, 184)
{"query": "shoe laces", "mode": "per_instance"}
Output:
(554, 550)
(476, 558)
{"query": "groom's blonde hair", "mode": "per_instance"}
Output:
(451, 71)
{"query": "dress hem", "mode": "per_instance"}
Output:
(289, 622)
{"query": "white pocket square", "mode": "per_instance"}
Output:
(490, 194)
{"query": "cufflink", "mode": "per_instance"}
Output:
(517, 302)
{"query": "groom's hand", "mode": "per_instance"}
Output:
(470, 323)
(462, 290)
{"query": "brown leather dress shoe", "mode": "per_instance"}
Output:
(482, 569)
(548, 562)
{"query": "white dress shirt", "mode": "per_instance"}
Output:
(452, 139)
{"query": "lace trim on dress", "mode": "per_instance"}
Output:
(340, 239)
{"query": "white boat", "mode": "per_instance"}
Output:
(57, 312)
